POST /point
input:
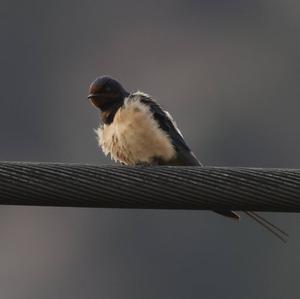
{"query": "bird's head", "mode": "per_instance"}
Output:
(107, 93)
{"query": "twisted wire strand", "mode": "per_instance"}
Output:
(158, 187)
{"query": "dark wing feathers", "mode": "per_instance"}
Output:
(184, 154)
(187, 158)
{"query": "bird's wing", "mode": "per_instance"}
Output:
(184, 154)
(185, 157)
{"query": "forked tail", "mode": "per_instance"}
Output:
(275, 230)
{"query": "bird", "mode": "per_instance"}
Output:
(136, 130)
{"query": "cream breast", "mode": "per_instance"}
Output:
(134, 136)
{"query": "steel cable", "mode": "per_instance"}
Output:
(158, 187)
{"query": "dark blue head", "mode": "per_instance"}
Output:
(106, 93)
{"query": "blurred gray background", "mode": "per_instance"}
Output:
(229, 73)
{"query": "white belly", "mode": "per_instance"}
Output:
(134, 136)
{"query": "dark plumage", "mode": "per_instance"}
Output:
(184, 155)
(108, 95)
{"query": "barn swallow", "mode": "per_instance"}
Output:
(137, 131)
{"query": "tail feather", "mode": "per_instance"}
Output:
(270, 224)
(279, 233)
(275, 230)
(228, 213)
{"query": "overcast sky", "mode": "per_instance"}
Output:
(228, 71)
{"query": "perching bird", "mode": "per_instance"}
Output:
(137, 131)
